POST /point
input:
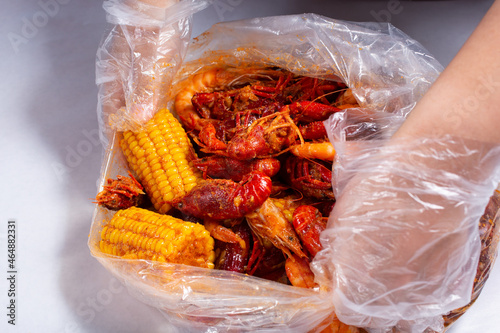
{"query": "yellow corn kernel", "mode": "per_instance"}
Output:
(158, 155)
(154, 236)
(286, 206)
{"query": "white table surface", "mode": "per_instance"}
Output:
(48, 112)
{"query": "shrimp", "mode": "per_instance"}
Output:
(202, 82)
(299, 273)
(269, 224)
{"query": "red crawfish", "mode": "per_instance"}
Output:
(309, 223)
(234, 255)
(307, 111)
(217, 166)
(311, 178)
(122, 193)
(222, 199)
(264, 137)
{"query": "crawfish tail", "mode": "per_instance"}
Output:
(309, 223)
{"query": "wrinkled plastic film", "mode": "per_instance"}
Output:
(439, 179)
(138, 59)
(387, 71)
(406, 250)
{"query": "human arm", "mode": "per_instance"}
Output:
(465, 99)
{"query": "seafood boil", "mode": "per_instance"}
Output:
(246, 159)
(237, 178)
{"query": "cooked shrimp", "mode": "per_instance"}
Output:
(209, 81)
(202, 82)
(347, 97)
(269, 223)
(299, 273)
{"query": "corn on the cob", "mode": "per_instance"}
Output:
(136, 233)
(161, 155)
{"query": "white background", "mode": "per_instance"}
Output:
(50, 157)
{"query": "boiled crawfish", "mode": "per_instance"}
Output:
(311, 178)
(221, 199)
(121, 193)
(309, 223)
(234, 256)
(247, 123)
(217, 166)
(226, 109)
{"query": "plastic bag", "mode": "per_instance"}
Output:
(386, 70)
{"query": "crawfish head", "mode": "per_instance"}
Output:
(225, 199)
(311, 178)
(122, 193)
(266, 136)
(246, 145)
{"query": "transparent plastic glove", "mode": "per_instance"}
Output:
(139, 57)
(402, 243)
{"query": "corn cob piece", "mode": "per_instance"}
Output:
(161, 155)
(136, 233)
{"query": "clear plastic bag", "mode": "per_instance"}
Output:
(386, 70)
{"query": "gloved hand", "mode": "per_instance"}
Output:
(403, 242)
(139, 58)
